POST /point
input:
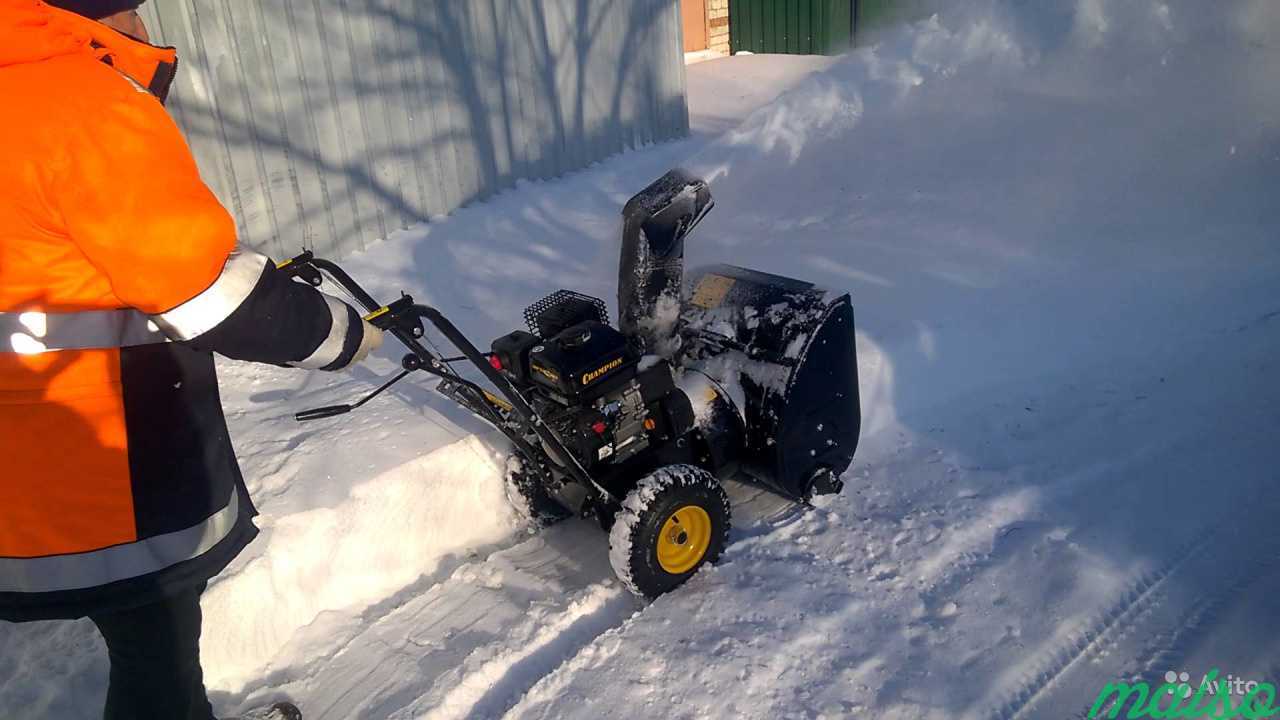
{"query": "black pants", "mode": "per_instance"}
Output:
(155, 661)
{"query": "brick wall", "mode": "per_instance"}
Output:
(718, 26)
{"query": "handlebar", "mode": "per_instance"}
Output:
(403, 319)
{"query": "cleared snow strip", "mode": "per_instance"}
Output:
(712, 648)
(499, 683)
(386, 534)
(467, 645)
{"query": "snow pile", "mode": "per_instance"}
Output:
(384, 536)
(830, 105)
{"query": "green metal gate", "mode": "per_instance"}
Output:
(873, 15)
(800, 27)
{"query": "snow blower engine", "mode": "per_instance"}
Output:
(726, 373)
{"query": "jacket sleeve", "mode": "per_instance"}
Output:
(253, 311)
(133, 203)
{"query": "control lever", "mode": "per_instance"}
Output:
(301, 267)
(335, 410)
(323, 412)
(396, 316)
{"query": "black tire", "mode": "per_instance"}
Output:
(530, 497)
(283, 711)
(675, 520)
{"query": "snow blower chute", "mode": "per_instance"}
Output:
(728, 373)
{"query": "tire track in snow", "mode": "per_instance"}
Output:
(1168, 648)
(500, 683)
(1141, 594)
(1156, 607)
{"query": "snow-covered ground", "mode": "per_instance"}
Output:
(1060, 226)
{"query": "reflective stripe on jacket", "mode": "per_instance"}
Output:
(119, 276)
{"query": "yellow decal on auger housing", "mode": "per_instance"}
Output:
(711, 291)
(588, 378)
(548, 374)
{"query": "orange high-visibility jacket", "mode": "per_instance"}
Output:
(119, 275)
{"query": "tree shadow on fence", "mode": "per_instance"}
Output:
(330, 123)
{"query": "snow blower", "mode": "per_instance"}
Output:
(729, 373)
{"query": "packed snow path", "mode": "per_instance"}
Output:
(1059, 224)
(472, 644)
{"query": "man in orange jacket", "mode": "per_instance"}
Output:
(120, 276)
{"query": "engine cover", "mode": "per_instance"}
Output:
(580, 362)
(624, 418)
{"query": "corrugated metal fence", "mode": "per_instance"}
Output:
(329, 123)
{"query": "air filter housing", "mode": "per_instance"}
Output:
(563, 309)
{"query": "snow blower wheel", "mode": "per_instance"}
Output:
(676, 519)
(532, 500)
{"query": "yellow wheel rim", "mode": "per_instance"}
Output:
(684, 539)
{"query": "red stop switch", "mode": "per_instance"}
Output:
(599, 427)
(495, 362)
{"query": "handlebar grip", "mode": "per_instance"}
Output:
(322, 412)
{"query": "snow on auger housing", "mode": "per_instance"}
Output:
(728, 373)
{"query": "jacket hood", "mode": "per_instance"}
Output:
(32, 32)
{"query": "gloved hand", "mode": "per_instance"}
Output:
(370, 341)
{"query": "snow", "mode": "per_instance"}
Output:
(634, 505)
(387, 532)
(1058, 224)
